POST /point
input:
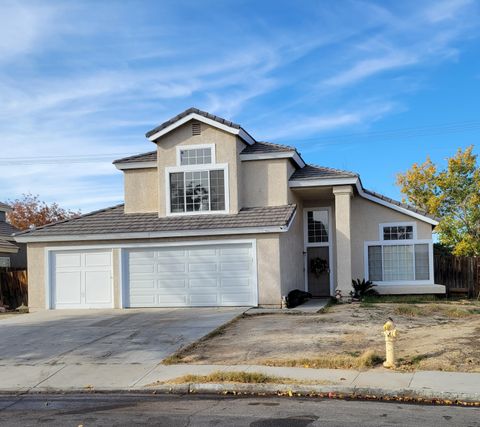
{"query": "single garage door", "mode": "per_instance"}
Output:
(187, 276)
(81, 279)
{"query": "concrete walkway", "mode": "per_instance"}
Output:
(131, 377)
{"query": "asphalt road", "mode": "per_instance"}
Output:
(161, 410)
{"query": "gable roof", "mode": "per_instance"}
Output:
(202, 116)
(114, 223)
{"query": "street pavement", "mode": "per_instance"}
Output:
(180, 410)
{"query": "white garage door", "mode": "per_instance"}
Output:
(81, 279)
(210, 275)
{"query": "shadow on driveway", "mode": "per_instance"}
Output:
(133, 336)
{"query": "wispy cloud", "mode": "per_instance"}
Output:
(91, 77)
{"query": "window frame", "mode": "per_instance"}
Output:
(180, 148)
(329, 228)
(382, 225)
(196, 168)
(411, 242)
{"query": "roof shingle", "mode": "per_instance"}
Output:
(317, 172)
(266, 147)
(151, 156)
(114, 220)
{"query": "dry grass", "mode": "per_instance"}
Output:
(239, 377)
(453, 312)
(367, 359)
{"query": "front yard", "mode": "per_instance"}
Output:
(432, 336)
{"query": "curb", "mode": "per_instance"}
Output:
(285, 390)
(339, 392)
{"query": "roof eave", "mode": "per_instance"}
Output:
(154, 235)
(135, 165)
(293, 155)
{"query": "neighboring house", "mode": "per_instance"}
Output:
(214, 218)
(12, 254)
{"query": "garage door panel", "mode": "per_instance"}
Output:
(95, 294)
(66, 260)
(68, 289)
(201, 267)
(204, 299)
(191, 275)
(94, 259)
(235, 266)
(171, 285)
(235, 282)
(175, 300)
(236, 298)
(206, 283)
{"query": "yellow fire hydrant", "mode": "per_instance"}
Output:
(390, 333)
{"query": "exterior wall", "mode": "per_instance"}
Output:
(18, 260)
(227, 147)
(265, 182)
(141, 190)
(291, 254)
(268, 265)
(365, 219)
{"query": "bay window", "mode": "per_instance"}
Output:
(197, 184)
(399, 257)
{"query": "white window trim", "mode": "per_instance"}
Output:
(193, 168)
(196, 146)
(305, 228)
(328, 244)
(397, 224)
(412, 282)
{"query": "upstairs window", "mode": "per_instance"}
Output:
(195, 156)
(197, 185)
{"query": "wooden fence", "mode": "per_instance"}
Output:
(460, 275)
(13, 287)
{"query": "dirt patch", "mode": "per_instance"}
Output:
(432, 336)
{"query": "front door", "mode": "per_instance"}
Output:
(318, 274)
(317, 251)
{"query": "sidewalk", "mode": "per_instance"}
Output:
(381, 383)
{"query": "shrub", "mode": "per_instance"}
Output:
(362, 288)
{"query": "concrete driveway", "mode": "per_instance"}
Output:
(81, 345)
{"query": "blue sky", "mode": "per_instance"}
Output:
(358, 85)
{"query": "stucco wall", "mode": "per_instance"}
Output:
(291, 253)
(268, 266)
(265, 182)
(227, 147)
(365, 219)
(141, 190)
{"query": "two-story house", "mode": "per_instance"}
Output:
(213, 217)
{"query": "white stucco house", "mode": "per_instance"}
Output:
(213, 217)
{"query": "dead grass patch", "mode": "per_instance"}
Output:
(237, 377)
(352, 360)
(453, 312)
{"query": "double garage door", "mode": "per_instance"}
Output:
(170, 276)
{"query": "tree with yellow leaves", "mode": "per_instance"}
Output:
(452, 195)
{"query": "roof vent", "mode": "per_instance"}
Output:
(196, 128)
